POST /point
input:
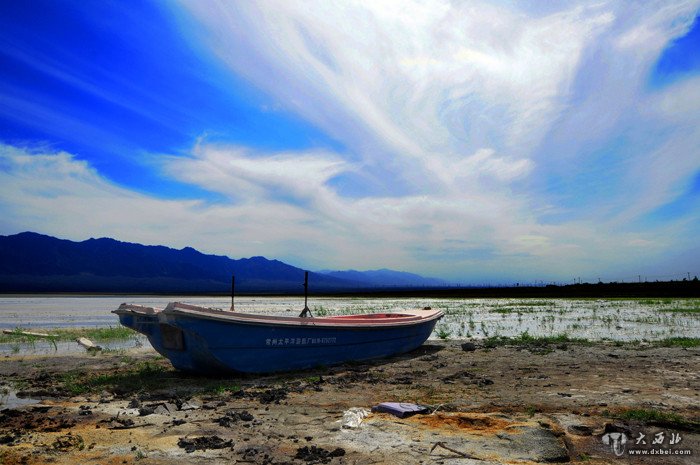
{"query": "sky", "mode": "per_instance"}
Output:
(483, 142)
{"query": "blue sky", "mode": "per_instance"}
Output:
(484, 142)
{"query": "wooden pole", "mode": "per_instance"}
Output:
(233, 288)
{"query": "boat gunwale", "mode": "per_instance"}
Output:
(412, 318)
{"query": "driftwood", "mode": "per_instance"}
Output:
(135, 425)
(461, 454)
(25, 333)
(87, 343)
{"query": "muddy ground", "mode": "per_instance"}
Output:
(508, 404)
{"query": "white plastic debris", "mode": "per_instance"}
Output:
(352, 418)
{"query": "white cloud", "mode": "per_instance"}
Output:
(482, 236)
(247, 176)
(468, 113)
(473, 105)
(412, 81)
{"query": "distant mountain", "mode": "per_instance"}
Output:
(31, 262)
(385, 278)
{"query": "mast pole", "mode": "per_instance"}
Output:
(233, 288)
(306, 312)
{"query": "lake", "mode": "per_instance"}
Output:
(594, 319)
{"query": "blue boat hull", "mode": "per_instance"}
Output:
(214, 346)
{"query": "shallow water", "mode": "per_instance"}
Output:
(9, 399)
(594, 319)
(44, 347)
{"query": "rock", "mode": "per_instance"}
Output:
(543, 444)
(68, 442)
(272, 395)
(468, 347)
(617, 428)
(190, 405)
(203, 443)
(253, 452)
(233, 416)
(161, 410)
(407, 380)
(580, 430)
(318, 454)
(121, 423)
(84, 410)
(165, 408)
(146, 410)
(468, 378)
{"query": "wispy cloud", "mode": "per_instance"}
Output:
(410, 82)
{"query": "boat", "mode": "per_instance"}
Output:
(215, 341)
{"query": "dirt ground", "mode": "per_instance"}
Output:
(508, 404)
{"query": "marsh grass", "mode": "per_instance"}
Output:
(111, 333)
(525, 339)
(695, 309)
(503, 310)
(443, 332)
(536, 303)
(660, 301)
(321, 311)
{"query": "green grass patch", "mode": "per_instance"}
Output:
(142, 376)
(532, 341)
(660, 418)
(443, 333)
(687, 342)
(224, 388)
(531, 410)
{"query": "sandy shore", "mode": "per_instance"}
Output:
(507, 404)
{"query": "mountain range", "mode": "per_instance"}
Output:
(385, 278)
(32, 262)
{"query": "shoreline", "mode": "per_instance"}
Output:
(686, 288)
(512, 403)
